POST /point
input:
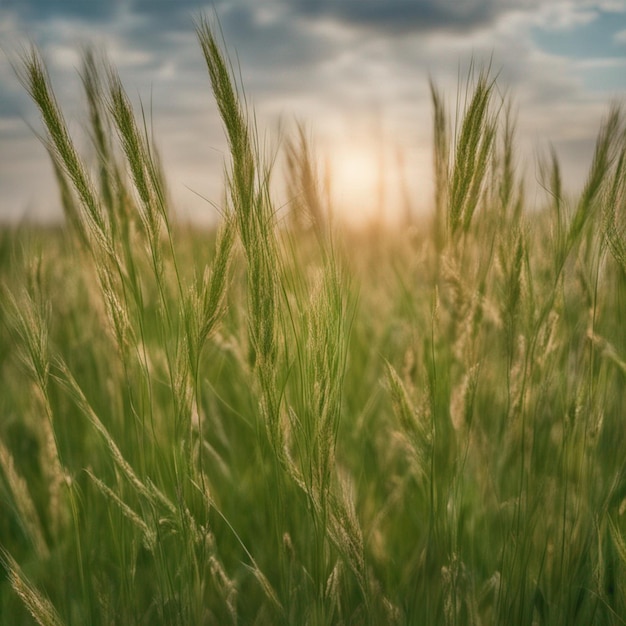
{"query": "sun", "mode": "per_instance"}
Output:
(356, 181)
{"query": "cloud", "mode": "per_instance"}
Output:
(174, 15)
(564, 16)
(611, 6)
(402, 16)
(41, 10)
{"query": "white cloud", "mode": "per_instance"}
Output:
(560, 16)
(614, 6)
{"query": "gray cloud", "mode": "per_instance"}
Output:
(40, 10)
(402, 16)
(168, 15)
(167, 7)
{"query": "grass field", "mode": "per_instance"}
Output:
(283, 421)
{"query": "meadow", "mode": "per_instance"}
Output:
(287, 421)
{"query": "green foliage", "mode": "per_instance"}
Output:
(311, 425)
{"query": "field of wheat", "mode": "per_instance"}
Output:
(287, 421)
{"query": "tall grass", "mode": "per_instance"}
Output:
(308, 425)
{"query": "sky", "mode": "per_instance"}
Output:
(354, 72)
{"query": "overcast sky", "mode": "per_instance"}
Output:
(355, 71)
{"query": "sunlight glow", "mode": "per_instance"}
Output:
(356, 181)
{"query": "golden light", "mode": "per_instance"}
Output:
(356, 181)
